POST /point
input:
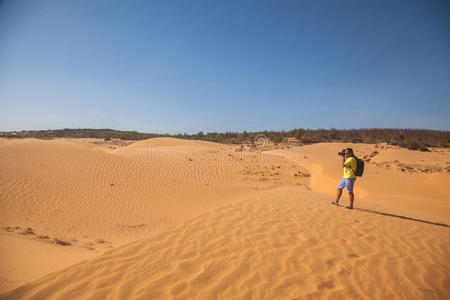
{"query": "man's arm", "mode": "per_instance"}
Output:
(343, 161)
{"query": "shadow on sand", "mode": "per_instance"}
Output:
(401, 217)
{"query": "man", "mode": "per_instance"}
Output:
(350, 165)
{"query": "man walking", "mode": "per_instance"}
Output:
(349, 163)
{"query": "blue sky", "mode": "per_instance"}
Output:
(186, 66)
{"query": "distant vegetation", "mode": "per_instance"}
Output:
(80, 133)
(414, 139)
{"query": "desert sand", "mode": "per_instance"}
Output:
(167, 218)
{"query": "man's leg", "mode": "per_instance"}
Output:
(338, 195)
(340, 186)
(351, 197)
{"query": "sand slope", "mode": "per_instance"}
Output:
(70, 191)
(73, 191)
(276, 244)
(412, 180)
(169, 218)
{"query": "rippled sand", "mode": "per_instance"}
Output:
(167, 218)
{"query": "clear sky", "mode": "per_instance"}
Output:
(185, 66)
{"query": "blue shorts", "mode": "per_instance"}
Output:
(347, 182)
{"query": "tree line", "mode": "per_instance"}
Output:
(414, 139)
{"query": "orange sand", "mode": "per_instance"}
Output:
(167, 218)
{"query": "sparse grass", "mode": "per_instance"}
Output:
(61, 242)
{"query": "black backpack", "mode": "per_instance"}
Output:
(359, 167)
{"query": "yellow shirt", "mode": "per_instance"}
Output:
(350, 168)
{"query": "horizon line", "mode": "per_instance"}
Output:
(241, 131)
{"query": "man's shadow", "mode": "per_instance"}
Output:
(401, 217)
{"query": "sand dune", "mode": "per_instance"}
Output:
(68, 190)
(275, 244)
(397, 178)
(103, 194)
(168, 218)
